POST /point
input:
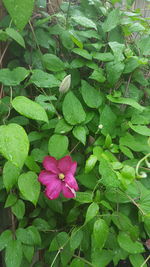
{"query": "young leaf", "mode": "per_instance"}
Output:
(58, 145)
(29, 186)
(80, 133)
(73, 110)
(91, 212)
(100, 233)
(10, 175)
(15, 36)
(14, 144)
(13, 255)
(90, 163)
(11, 200)
(29, 108)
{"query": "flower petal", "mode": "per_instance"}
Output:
(66, 165)
(47, 178)
(68, 192)
(53, 189)
(50, 164)
(71, 181)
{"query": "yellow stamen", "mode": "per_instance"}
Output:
(61, 176)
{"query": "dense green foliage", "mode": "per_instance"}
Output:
(102, 121)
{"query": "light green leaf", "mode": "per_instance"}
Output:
(91, 96)
(90, 163)
(20, 11)
(80, 133)
(98, 75)
(32, 165)
(53, 63)
(14, 144)
(100, 233)
(13, 255)
(112, 20)
(73, 110)
(10, 201)
(43, 79)
(84, 197)
(109, 178)
(117, 49)
(10, 175)
(144, 45)
(82, 52)
(107, 56)
(59, 241)
(58, 145)
(29, 108)
(91, 212)
(15, 36)
(29, 186)
(62, 127)
(13, 77)
(131, 64)
(141, 129)
(35, 236)
(114, 71)
(129, 245)
(77, 263)
(5, 238)
(126, 101)
(137, 260)
(84, 21)
(76, 238)
(19, 209)
(108, 120)
(89, 180)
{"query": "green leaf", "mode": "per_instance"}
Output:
(90, 163)
(14, 144)
(131, 64)
(144, 45)
(10, 201)
(53, 63)
(29, 108)
(112, 20)
(76, 238)
(136, 27)
(109, 178)
(128, 245)
(84, 21)
(29, 186)
(28, 252)
(91, 212)
(66, 39)
(41, 224)
(103, 56)
(84, 197)
(24, 236)
(13, 77)
(59, 241)
(62, 127)
(20, 11)
(100, 233)
(32, 165)
(114, 71)
(82, 52)
(10, 175)
(35, 236)
(73, 110)
(58, 145)
(80, 133)
(98, 75)
(43, 79)
(137, 260)
(77, 263)
(13, 255)
(108, 120)
(126, 101)
(5, 238)
(89, 180)
(91, 96)
(19, 209)
(104, 257)
(15, 36)
(141, 129)
(117, 49)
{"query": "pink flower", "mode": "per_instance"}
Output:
(58, 177)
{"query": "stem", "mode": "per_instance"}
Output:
(55, 257)
(74, 148)
(67, 18)
(3, 54)
(9, 106)
(133, 201)
(13, 224)
(138, 165)
(142, 265)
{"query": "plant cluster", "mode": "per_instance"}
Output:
(74, 89)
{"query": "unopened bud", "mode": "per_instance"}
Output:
(143, 175)
(100, 126)
(65, 84)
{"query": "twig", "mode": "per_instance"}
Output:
(3, 54)
(142, 265)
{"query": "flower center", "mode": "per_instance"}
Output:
(61, 176)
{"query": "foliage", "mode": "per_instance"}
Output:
(102, 121)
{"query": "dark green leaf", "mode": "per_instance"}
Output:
(80, 133)
(91, 96)
(13, 255)
(53, 63)
(15, 36)
(100, 233)
(91, 212)
(58, 145)
(19, 209)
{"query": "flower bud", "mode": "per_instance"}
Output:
(65, 84)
